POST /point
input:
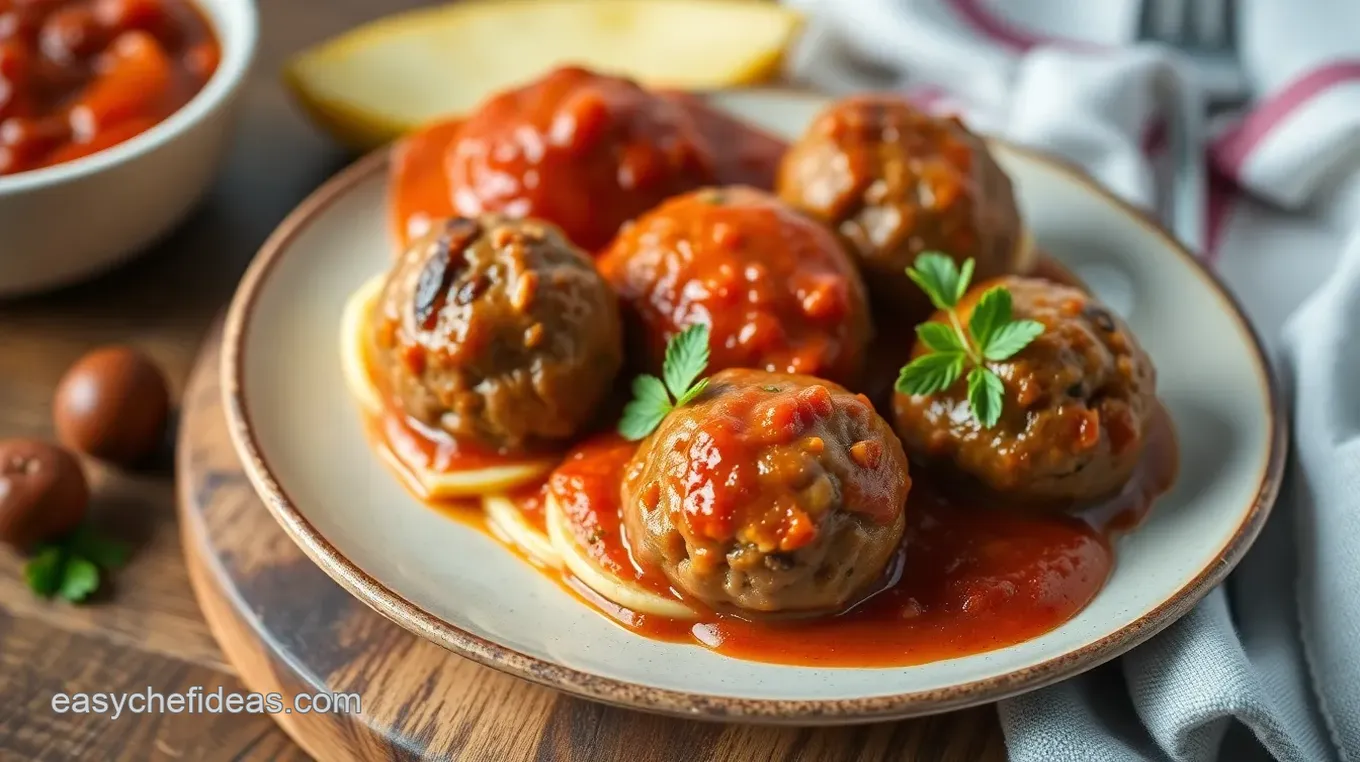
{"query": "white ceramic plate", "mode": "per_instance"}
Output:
(302, 444)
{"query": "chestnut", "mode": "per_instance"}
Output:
(113, 405)
(43, 492)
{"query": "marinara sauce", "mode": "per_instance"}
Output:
(80, 76)
(972, 574)
(584, 151)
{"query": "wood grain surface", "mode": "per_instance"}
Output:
(146, 629)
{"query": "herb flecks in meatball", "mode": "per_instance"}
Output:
(498, 331)
(1077, 404)
(776, 288)
(582, 150)
(896, 182)
(769, 493)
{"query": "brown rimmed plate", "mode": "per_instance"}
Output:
(303, 446)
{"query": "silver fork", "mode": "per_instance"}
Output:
(1205, 33)
(1202, 34)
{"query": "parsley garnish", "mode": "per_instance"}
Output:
(686, 358)
(991, 336)
(70, 567)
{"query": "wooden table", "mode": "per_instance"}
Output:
(146, 629)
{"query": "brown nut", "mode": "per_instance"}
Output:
(112, 405)
(43, 492)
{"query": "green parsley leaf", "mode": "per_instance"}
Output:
(965, 278)
(80, 578)
(1011, 338)
(649, 405)
(931, 373)
(939, 337)
(985, 396)
(992, 334)
(938, 276)
(686, 358)
(70, 566)
(639, 420)
(653, 399)
(43, 571)
(993, 310)
(694, 391)
(650, 391)
(104, 553)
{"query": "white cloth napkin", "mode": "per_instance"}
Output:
(1269, 665)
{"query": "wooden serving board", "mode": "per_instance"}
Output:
(288, 628)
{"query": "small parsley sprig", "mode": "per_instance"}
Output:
(991, 336)
(653, 398)
(70, 568)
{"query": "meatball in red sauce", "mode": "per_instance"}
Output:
(772, 493)
(1078, 403)
(498, 331)
(775, 288)
(582, 150)
(895, 182)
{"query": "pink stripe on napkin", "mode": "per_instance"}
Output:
(1232, 149)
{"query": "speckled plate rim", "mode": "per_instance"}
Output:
(684, 703)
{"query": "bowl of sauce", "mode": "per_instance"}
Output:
(113, 117)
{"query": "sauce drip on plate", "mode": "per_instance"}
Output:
(970, 576)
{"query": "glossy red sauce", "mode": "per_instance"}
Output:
(420, 186)
(452, 167)
(971, 575)
(80, 76)
(586, 486)
(531, 499)
(776, 288)
(742, 154)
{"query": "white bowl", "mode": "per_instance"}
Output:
(63, 223)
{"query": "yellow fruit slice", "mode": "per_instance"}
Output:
(505, 516)
(382, 79)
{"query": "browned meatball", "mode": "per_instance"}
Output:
(775, 288)
(894, 182)
(771, 493)
(499, 331)
(1078, 403)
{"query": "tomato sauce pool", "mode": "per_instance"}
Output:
(80, 76)
(969, 577)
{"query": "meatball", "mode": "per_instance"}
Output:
(894, 182)
(498, 331)
(581, 150)
(775, 288)
(1077, 406)
(772, 493)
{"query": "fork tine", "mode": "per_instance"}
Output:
(1168, 20)
(1206, 23)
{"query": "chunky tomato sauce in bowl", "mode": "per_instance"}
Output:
(114, 110)
(794, 541)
